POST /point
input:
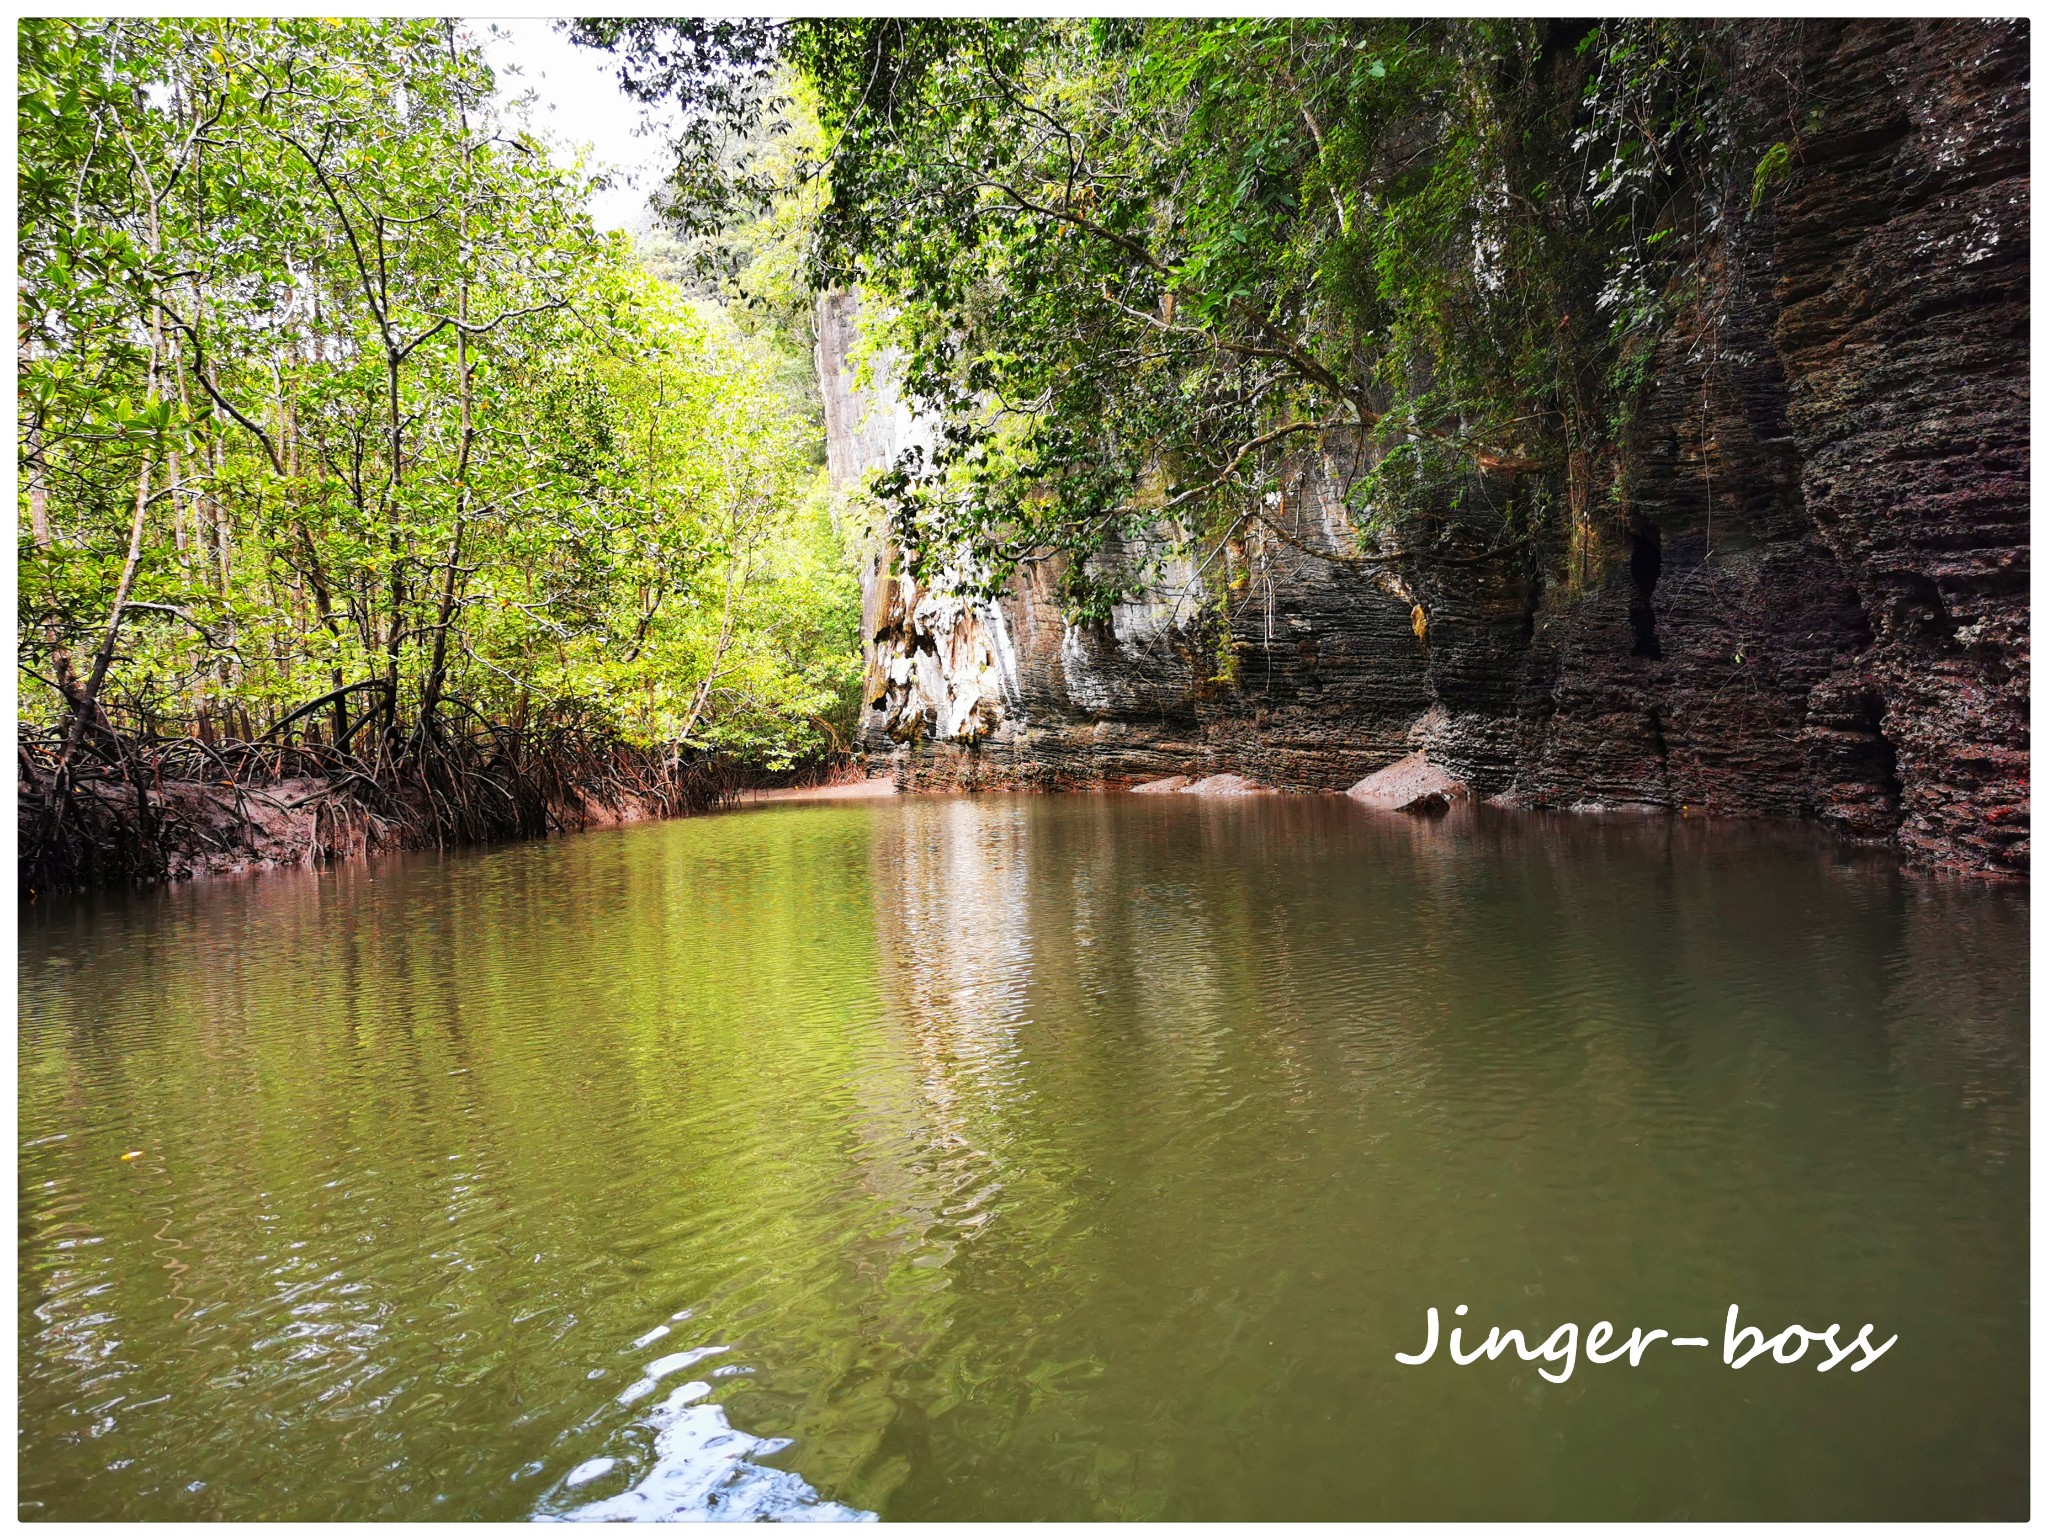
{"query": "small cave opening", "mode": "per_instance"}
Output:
(1919, 610)
(1645, 565)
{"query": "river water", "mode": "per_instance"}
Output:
(1084, 1156)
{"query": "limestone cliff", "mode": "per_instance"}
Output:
(1811, 600)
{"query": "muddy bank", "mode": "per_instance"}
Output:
(205, 830)
(135, 815)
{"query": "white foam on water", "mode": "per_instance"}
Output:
(654, 1373)
(703, 1470)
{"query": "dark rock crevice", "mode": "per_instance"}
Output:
(1645, 566)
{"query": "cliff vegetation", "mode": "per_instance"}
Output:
(1618, 413)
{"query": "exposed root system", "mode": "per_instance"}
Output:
(144, 809)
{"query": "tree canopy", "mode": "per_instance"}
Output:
(1131, 265)
(331, 392)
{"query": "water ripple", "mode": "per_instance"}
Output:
(1012, 1158)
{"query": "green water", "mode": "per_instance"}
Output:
(1007, 1158)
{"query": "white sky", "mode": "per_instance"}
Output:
(580, 104)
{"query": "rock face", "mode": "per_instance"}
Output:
(1813, 600)
(1902, 312)
(940, 666)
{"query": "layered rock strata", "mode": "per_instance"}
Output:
(1811, 602)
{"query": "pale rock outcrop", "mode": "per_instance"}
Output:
(1411, 785)
(940, 667)
(1161, 787)
(1224, 786)
(1207, 786)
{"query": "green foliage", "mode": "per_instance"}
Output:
(1133, 265)
(320, 328)
(1773, 167)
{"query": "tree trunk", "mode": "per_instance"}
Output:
(85, 704)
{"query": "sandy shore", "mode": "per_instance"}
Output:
(850, 791)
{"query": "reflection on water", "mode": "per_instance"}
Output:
(999, 1158)
(696, 1468)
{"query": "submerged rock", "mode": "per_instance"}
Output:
(1411, 785)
